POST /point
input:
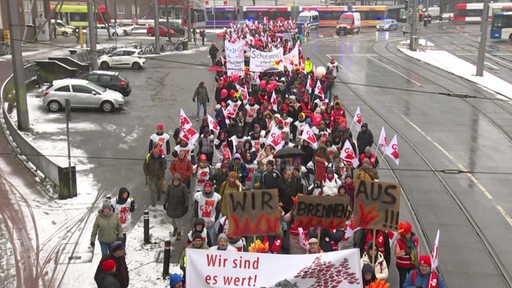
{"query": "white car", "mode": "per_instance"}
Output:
(126, 28)
(114, 31)
(82, 94)
(387, 25)
(124, 57)
(63, 29)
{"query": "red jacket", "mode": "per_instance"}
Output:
(402, 259)
(182, 167)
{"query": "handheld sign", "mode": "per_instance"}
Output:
(322, 211)
(253, 212)
(377, 205)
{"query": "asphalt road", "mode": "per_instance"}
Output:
(435, 133)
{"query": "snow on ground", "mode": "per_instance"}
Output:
(144, 261)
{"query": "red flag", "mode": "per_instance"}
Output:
(307, 134)
(392, 150)
(348, 154)
(358, 120)
(184, 121)
(318, 90)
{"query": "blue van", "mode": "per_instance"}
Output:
(310, 18)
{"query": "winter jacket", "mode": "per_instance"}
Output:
(121, 270)
(201, 94)
(182, 166)
(107, 228)
(124, 207)
(330, 188)
(154, 167)
(380, 267)
(108, 280)
(364, 139)
(240, 169)
(176, 202)
(366, 174)
(224, 188)
(286, 191)
(416, 279)
(269, 179)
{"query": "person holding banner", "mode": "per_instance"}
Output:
(406, 249)
(424, 276)
(373, 257)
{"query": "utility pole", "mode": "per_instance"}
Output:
(189, 27)
(92, 34)
(157, 28)
(17, 66)
(107, 21)
(483, 40)
(414, 32)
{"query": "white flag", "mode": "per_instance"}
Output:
(318, 90)
(273, 100)
(213, 125)
(275, 139)
(392, 150)
(358, 120)
(383, 142)
(308, 84)
(348, 154)
(435, 252)
(184, 121)
(307, 134)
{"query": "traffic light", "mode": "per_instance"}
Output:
(237, 10)
(406, 7)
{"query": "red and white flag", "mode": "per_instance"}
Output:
(348, 154)
(358, 120)
(307, 134)
(318, 90)
(383, 142)
(190, 135)
(275, 139)
(213, 125)
(392, 150)
(184, 121)
(435, 252)
(243, 92)
(273, 100)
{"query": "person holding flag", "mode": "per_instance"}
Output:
(425, 276)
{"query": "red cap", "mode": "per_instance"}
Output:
(160, 126)
(108, 265)
(226, 155)
(425, 260)
(208, 184)
(280, 122)
(202, 157)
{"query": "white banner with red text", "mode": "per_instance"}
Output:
(213, 268)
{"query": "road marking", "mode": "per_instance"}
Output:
(461, 168)
(504, 63)
(379, 62)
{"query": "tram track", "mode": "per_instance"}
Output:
(485, 243)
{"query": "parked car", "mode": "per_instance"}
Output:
(126, 29)
(162, 31)
(114, 31)
(63, 29)
(387, 25)
(176, 26)
(125, 57)
(82, 94)
(109, 79)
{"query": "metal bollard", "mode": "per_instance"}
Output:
(167, 258)
(146, 227)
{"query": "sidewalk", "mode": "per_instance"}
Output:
(452, 64)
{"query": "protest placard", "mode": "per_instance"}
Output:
(377, 205)
(253, 212)
(260, 61)
(213, 268)
(321, 211)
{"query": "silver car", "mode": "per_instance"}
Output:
(387, 25)
(82, 94)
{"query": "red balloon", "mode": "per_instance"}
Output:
(223, 93)
(273, 83)
(269, 88)
(235, 78)
(316, 119)
(232, 92)
(263, 84)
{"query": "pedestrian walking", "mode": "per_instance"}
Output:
(124, 206)
(213, 53)
(183, 166)
(154, 170)
(107, 278)
(117, 254)
(201, 95)
(194, 32)
(176, 205)
(207, 206)
(424, 276)
(202, 34)
(364, 138)
(106, 227)
(161, 138)
(406, 249)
